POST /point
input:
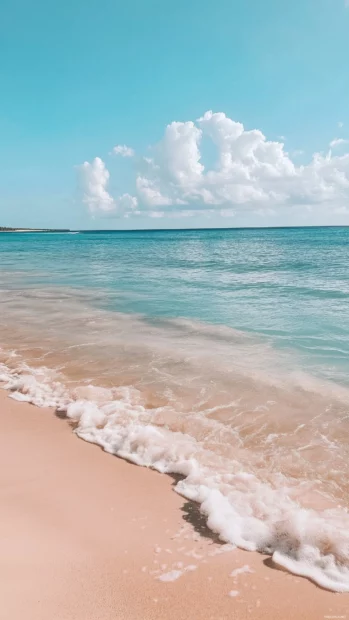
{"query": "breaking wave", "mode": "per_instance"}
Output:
(242, 504)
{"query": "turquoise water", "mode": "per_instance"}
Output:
(219, 355)
(289, 285)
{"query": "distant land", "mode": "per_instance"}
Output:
(43, 230)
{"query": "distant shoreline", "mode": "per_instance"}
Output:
(29, 230)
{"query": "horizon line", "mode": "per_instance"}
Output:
(191, 229)
(129, 230)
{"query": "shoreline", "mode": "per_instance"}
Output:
(88, 536)
(34, 230)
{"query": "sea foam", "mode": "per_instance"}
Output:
(241, 508)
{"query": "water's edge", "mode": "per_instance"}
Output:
(238, 507)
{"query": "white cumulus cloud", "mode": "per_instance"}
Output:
(337, 142)
(250, 173)
(94, 178)
(123, 150)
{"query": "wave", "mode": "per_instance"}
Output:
(243, 508)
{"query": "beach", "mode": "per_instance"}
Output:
(174, 311)
(175, 436)
(85, 535)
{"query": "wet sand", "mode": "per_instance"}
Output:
(87, 536)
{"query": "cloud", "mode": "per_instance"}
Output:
(250, 173)
(337, 142)
(123, 150)
(265, 212)
(156, 214)
(227, 212)
(94, 178)
(126, 203)
(150, 193)
(340, 124)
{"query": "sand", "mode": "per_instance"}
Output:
(87, 536)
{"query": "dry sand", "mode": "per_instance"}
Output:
(85, 536)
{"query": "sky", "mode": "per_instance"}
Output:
(149, 114)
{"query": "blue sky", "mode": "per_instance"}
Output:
(78, 79)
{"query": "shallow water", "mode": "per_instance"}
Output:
(219, 355)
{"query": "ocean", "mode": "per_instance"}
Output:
(221, 356)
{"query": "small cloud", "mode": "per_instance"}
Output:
(156, 214)
(282, 138)
(93, 181)
(126, 202)
(227, 212)
(184, 213)
(337, 142)
(297, 153)
(123, 150)
(340, 124)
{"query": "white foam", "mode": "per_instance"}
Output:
(233, 593)
(193, 554)
(241, 571)
(177, 572)
(222, 549)
(242, 509)
(173, 575)
(36, 386)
